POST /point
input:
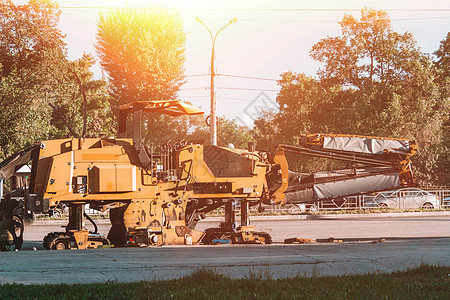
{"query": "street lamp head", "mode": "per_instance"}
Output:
(234, 20)
(198, 20)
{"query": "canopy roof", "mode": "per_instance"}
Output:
(169, 107)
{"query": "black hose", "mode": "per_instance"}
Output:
(93, 223)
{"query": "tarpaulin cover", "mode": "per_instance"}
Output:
(364, 144)
(301, 196)
(356, 185)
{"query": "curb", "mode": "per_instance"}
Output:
(382, 215)
(288, 217)
(341, 216)
(64, 222)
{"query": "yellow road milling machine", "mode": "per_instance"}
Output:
(156, 195)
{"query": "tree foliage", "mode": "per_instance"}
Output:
(374, 82)
(443, 81)
(368, 51)
(79, 84)
(35, 75)
(196, 130)
(443, 58)
(142, 52)
(229, 132)
(31, 49)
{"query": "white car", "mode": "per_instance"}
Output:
(404, 198)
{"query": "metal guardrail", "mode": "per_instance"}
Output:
(359, 202)
(345, 203)
(442, 193)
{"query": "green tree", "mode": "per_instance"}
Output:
(306, 105)
(392, 83)
(374, 82)
(80, 89)
(36, 77)
(265, 131)
(442, 150)
(229, 132)
(368, 51)
(443, 62)
(142, 52)
(31, 52)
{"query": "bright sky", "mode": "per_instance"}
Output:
(269, 38)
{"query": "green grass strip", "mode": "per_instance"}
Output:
(424, 282)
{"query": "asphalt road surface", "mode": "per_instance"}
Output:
(409, 242)
(320, 227)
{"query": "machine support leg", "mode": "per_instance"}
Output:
(230, 217)
(76, 218)
(244, 213)
(230, 233)
(76, 235)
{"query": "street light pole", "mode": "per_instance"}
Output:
(213, 125)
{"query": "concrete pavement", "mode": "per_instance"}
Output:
(410, 241)
(158, 263)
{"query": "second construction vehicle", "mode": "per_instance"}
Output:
(157, 195)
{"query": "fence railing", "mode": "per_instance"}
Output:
(345, 203)
(358, 202)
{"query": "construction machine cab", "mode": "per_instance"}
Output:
(173, 108)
